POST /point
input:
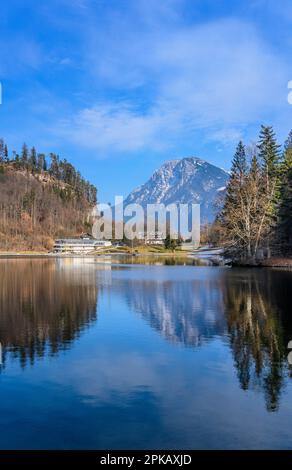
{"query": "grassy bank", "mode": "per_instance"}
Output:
(123, 250)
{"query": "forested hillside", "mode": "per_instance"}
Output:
(41, 198)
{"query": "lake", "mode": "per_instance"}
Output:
(108, 354)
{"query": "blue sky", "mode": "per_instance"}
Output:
(120, 86)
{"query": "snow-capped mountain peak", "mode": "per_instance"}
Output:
(186, 180)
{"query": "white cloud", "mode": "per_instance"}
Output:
(221, 72)
(217, 77)
(118, 127)
(151, 75)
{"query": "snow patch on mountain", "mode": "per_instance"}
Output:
(186, 180)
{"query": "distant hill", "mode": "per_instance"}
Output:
(189, 180)
(41, 198)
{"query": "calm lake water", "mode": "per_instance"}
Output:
(101, 355)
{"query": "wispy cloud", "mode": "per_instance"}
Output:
(119, 128)
(151, 75)
(217, 78)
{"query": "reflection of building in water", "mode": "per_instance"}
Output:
(104, 274)
(190, 312)
(77, 270)
(44, 305)
(86, 270)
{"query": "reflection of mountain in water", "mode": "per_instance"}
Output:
(251, 307)
(44, 305)
(189, 312)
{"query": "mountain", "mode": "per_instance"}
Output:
(188, 180)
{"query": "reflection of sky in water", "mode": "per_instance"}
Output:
(159, 365)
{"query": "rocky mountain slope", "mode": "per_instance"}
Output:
(189, 180)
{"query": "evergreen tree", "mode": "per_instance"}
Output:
(230, 216)
(254, 167)
(239, 166)
(237, 177)
(269, 153)
(2, 147)
(55, 166)
(288, 142)
(287, 155)
(40, 161)
(59, 169)
(33, 158)
(6, 155)
(24, 155)
(167, 242)
(284, 227)
(170, 243)
(16, 160)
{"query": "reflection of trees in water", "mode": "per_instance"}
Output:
(44, 305)
(253, 305)
(189, 312)
(168, 260)
(256, 312)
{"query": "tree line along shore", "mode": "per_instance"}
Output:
(44, 197)
(255, 223)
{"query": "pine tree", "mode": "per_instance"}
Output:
(269, 154)
(33, 158)
(40, 161)
(287, 157)
(288, 142)
(231, 217)
(256, 191)
(24, 155)
(55, 165)
(167, 242)
(237, 175)
(16, 160)
(284, 227)
(239, 166)
(6, 155)
(254, 167)
(2, 146)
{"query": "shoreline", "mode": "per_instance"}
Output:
(200, 253)
(203, 254)
(90, 255)
(274, 262)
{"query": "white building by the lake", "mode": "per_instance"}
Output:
(79, 245)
